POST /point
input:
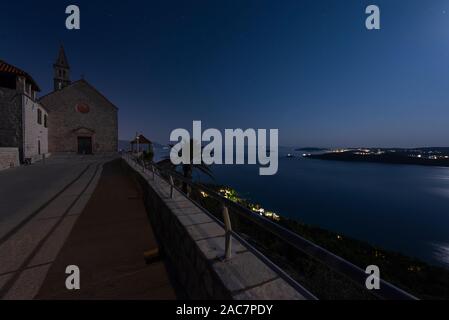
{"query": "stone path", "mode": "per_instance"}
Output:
(39, 206)
(25, 189)
(107, 244)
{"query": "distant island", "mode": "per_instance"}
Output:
(420, 156)
(312, 149)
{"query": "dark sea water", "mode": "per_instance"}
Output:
(402, 208)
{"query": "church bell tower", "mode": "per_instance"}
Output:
(61, 71)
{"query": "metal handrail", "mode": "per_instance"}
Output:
(337, 263)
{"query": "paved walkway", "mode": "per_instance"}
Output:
(25, 189)
(107, 244)
(39, 206)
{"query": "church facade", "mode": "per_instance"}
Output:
(81, 119)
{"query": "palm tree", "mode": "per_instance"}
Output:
(187, 168)
(148, 155)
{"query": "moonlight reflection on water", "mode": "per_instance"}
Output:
(441, 253)
(402, 208)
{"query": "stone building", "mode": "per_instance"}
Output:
(23, 120)
(81, 119)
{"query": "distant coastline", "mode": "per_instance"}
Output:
(312, 149)
(424, 156)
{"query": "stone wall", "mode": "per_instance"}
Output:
(66, 123)
(11, 130)
(19, 127)
(35, 134)
(9, 158)
(194, 243)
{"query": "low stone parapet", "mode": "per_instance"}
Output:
(9, 158)
(194, 243)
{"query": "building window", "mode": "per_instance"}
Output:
(39, 116)
(45, 121)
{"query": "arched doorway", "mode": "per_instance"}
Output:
(85, 139)
(85, 145)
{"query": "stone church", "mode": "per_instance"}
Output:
(81, 119)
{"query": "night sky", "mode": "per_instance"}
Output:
(308, 68)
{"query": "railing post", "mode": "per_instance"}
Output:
(152, 170)
(172, 186)
(228, 231)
